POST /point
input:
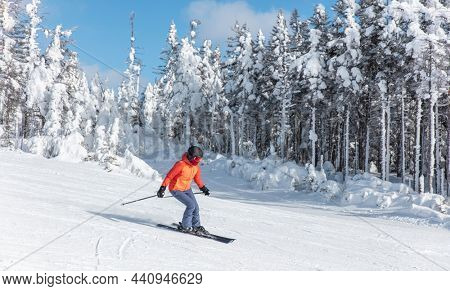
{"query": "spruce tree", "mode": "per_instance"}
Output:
(281, 103)
(314, 71)
(129, 99)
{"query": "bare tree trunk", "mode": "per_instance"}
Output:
(262, 138)
(367, 150)
(432, 146)
(322, 142)
(312, 136)
(423, 149)
(240, 135)
(212, 134)
(417, 149)
(448, 150)
(402, 147)
(438, 153)
(338, 154)
(233, 137)
(187, 133)
(388, 140)
(383, 139)
(347, 143)
(366, 158)
(356, 159)
(283, 129)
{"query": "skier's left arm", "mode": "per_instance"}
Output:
(198, 178)
(199, 182)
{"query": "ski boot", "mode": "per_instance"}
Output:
(200, 230)
(183, 229)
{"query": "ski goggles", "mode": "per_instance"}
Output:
(196, 160)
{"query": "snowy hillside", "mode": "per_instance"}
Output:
(57, 215)
(364, 191)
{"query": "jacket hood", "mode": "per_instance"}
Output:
(186, 160)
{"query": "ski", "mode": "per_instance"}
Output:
(214, 237)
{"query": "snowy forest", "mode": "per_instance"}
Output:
(366, 89)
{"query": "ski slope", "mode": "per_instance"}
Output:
(56, 215)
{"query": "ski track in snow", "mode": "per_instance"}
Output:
(97, 253)
(125, 244)
(274, 230)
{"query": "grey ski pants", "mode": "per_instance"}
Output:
(191, 216)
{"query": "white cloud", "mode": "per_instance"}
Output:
(217, 19)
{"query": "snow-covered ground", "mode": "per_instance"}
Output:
(364, 191)
(57, 215)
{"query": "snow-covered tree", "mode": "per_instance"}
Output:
(372, 25)
(345, 66)
(427, 45)
(317, 90)
(280, 61)
(187, 86)
(164, 86)
(212, 90)
(105, 147)
(239, 84)
(12, 73)
(57, 94)
(129, 99)
(37, 75)
(259, 108)
(314, 70)
(151, 118)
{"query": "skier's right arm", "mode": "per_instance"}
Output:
(176, 169)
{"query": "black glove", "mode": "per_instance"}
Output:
(205, 190)
(161, 191)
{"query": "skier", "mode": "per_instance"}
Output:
(179, 181)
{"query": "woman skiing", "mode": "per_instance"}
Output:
(179, 181)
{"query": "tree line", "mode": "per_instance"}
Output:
(366, 89)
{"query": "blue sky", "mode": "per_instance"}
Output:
(102, 26)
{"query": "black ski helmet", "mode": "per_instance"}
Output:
(194, 151)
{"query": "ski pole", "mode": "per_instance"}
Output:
(148, 197)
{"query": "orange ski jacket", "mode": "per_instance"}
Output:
(180, 176)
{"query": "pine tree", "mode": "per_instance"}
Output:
(239, 84)
(218, 102)
(299, 47)
(212, 90)
(187, 89)
(280, 61)
(437, 79)
(151, 118)
(164, 86)
(11, 74)
(259, 107)
(314, 70)
(101, 147)
(345, 64)
(57, 94)
(129, 99)
(370, 15)
(33, 120)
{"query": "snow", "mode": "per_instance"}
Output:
(67, 148)
(8, 20)
(313, 136)
(275, 230)
(37, 85)
(139, 168)
(70, 148)
(369, 191)
(362, 190)
(267, 174)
